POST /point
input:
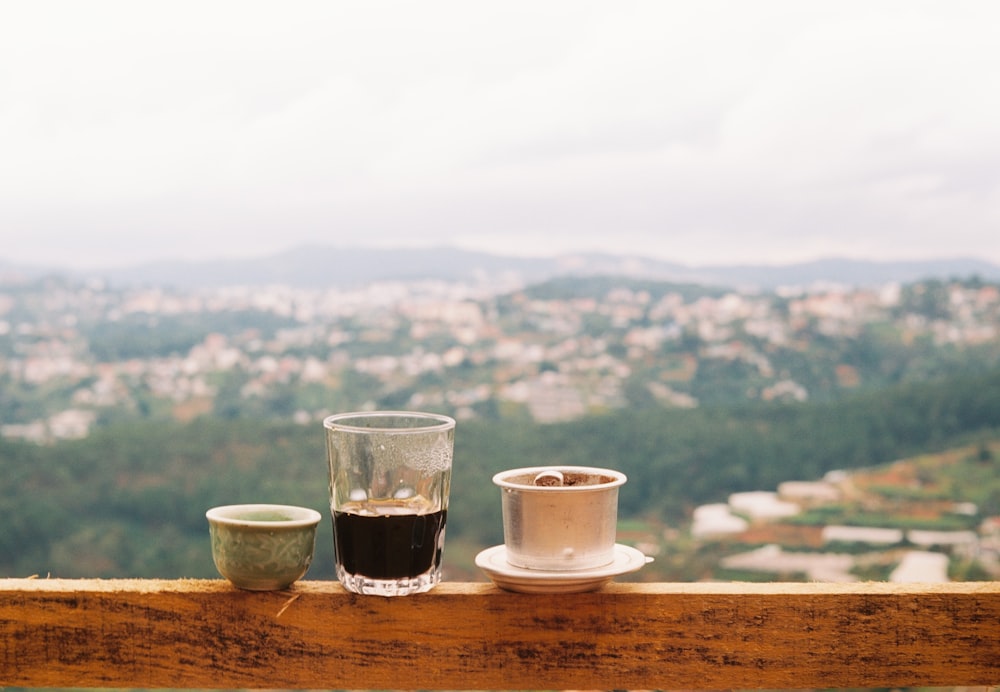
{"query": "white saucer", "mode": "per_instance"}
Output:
(493, 561)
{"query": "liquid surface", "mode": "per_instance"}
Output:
(264, 516)
(570, 478)
(391, 545)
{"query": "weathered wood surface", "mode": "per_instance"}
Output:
(206, 634)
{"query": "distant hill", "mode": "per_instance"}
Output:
(321, 266)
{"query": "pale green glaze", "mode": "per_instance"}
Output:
(262, 548)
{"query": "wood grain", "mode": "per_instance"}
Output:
(207, 634)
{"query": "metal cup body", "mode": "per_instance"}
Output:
(556, 528)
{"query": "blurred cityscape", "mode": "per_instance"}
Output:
(76, 354)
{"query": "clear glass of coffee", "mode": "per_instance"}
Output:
(390, 477)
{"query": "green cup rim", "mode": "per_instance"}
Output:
(232, 515)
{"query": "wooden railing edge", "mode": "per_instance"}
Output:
(206, 634)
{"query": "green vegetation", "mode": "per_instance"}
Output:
(130, 499)
(146, 335)
(194, 404)
(886, 518)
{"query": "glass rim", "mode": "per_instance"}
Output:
(436, 422)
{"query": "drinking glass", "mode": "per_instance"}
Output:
(390, 476)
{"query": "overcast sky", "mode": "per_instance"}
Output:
(701, 132)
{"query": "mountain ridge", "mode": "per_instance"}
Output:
(317, 266)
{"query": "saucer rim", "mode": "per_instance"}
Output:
(510, 577)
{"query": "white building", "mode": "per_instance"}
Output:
(862, 534)
(762, 504)
(965, 541)
(808, 491)
(826, 567)
(921, 566)
(716, 520)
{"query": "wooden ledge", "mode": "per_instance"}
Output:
(207, 634)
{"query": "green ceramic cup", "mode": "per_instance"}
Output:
(262, 547)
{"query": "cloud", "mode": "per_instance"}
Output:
(702, 132)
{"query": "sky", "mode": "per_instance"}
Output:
(706, 132)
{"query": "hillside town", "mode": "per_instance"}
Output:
(75, 354)
(780, 547)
